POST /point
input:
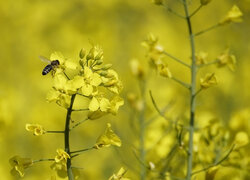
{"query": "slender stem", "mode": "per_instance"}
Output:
(197, 92)
(41, 160)
(82, 95)
(176, 59)
(140, 161)
(82, 150)
(79, 152)
(215, 164)
(195, 11)
(80, 109)
(173, 12)
(77, 124)
(181, 82)
(142, 132)
(66, 75)
(54, 131)
(209, 63)
(66, 137)
(192, 93)
(206, 30)
(157, 108)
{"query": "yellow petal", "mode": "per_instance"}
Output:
(87, 89)
(70, 65)
(94, 104)
(57, 56)
(115, 104)
(108, 138)
(96, 79)
(241, 139)
(52, 95)
(208, 81)
(104, 104)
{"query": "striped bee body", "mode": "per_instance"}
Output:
(47, 69)
(52, 64)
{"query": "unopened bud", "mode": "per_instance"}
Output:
(99, 62)
(110, 83)
(81, 62)
(99, 56)
(107, 66)
(103, 73)
(82, 53)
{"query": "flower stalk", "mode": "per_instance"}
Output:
(142, 132)
(192, 92)
(66, 137)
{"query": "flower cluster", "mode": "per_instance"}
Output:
(19, 164)
(89, 82)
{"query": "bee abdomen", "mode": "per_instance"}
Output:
(47, 69)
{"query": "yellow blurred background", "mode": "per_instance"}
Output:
(29, 28)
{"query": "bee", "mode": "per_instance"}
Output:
(51, 64)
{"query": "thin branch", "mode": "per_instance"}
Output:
(209, 63)
(206, 30)
(54, 131)
(41, 160)
(176, 59)
(77, 124)
(215, 164)
(79, 152)
(163, 110)
(80, 109)
(139, 160)
(195, 11)
(66, 75)
(156, 107)
(173, 12)
(82, 95)
(197, 92)
(181, 82)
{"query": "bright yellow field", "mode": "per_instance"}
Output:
(138, 38)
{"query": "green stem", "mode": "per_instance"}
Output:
(54, 131)
(78, 123)
(41, 160)
(206, 30)
(173, 12)
(209, 63)
(192, 93)
(181, 82)
(80, 109)
(80, 151)
(142, 132)
(176, 59)
(66, 137)
(195, 11)
(215, 164)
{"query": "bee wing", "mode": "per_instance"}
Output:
(44, 59)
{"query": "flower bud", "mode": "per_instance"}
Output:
(107, 66)
(103, 73)
(99, 56)
(81, 62)
(99, 62)
(82, 53)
